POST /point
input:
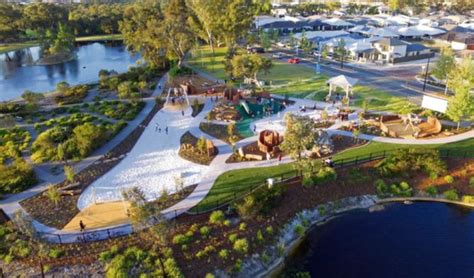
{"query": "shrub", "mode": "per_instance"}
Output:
(217, 217)
(299, 230)
(260, 236)
(433, 175)
(242, 226)
(381, 187)
(241, 245)
(307, 180)
(401, 190)
(55, 253)
(471, 182)
(406, 160)
(325, 174)
(205, 252)
(468, 199)
(227, 223)
(269, 230)
(224, 254)
(210, 275)
(205, 231)
(432, 190)
(451, 194)
(238, 265)
(180, 239)
(448, 179)
(232, 238)
(322, 210)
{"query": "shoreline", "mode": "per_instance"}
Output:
(277, 264)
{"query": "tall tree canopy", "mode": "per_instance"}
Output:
(461, 82)
(249, 66)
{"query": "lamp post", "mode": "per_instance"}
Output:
(426, 73)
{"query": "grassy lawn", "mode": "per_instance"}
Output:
(17, 46)
(298, 81)
(115, 37)
(458, 148)
(237, 182)
(240, 181)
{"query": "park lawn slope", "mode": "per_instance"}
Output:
(298, 81)
(235, 183)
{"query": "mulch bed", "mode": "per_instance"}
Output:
(42, 209)
(217, 131)
(354, 181)
(191, 154)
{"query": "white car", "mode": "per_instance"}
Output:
(278, 55)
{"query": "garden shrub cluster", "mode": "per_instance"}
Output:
(136, 262)
(16, 174)
(70, 94)
(260, 202)
(403, 189)
(12, 245)
(118, 110)
(136, 78)
(70, 141)
(405, 161)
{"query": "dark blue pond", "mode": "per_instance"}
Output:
(418, 240)
(18, 72)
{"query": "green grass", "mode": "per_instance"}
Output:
(458, 148)
(17, 46)
(240, 181)
(235, 183)
(114, 37)
(298, 81)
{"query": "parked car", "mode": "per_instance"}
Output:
(256, 50)
(278, 55)
(294, 60)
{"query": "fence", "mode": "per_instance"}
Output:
(236, 195)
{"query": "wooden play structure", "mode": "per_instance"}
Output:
(268, 141)
(431, 127)
(408, 126)
(323, 145)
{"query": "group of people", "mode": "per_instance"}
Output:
(158, 128)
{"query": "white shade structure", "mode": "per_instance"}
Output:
(341, 81)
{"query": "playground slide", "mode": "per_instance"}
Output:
(246, 107)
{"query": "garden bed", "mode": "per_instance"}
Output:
(191, 153)
(218, 131)
(41, 208)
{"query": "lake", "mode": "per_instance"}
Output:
(17, 72)
(418, 240)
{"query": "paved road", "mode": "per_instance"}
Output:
(395, 81)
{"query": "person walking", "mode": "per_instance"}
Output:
(156, 127)
(182, 112)
(82, 225)
(166, 130)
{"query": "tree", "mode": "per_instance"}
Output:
(324, 115)
(445, 64)
(10, 21)
(265, 40)
(305, 44)
(125, 90)
(461, 81)
(53, 194)
(208, 19)
(87, 136)
(63, 41)
(355, 134)
(141, 32)
(201, 145)
(140, 211)
(249, 65)
(396, 5)
(178, 35)
(340, 51)
(300, 135)
(237, 22)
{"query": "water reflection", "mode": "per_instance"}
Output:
(18, 72)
